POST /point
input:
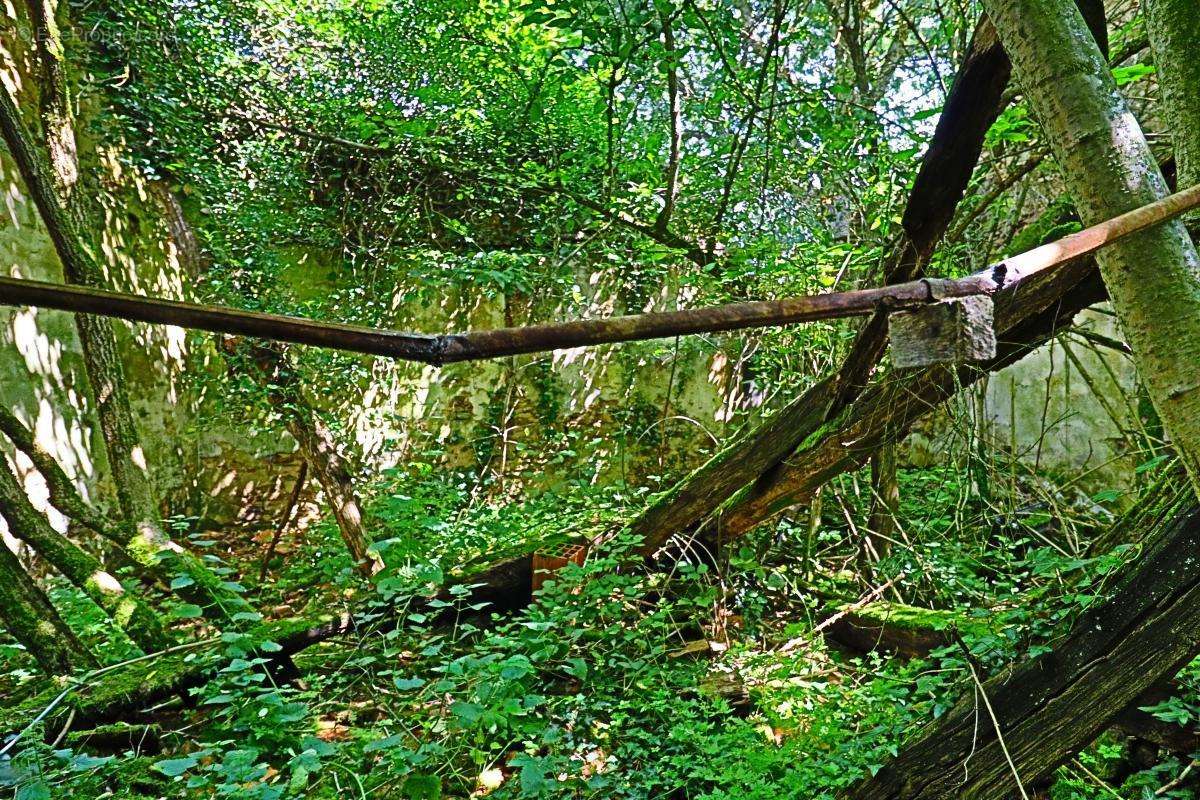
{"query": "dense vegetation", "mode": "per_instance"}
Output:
(325, 582)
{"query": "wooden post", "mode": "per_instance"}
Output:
(952, 331)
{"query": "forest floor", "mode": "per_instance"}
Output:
(776, 673)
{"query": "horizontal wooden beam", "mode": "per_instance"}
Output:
(478, 345)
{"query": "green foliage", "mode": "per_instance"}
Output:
(445, 164)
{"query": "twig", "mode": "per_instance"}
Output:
(1166, 787)
(301, 476)
(869, 597)
(988, 705)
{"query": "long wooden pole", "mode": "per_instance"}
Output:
(478, 345)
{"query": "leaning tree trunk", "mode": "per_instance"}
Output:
(28, 615)
(1153, 278)
(143, 537)
(54, 99)
(82, 569)
(333, 473)
(973, 104)
(101, 358)
(1174, 28)
(66, 498)
(63, 494)
(268, 365)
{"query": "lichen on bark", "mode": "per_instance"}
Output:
(1153, 278)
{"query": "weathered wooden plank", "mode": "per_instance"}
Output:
(954, 331)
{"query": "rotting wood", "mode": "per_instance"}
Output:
(477, 345)
(909, 632)
(953, 331)
(1051, 706)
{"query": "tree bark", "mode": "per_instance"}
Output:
(1174, 28)
(54, 99)
(28, 615)
(1153, 277)
(125, 608)
(142, 537)
(101, 359)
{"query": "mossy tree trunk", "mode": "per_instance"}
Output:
(1153, 278)
(128, 610)
(54, 100)
(142, 536)
(1174, 28)
(62, 491)
(28, 615)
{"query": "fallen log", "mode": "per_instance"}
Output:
(910, 632)
(1050, 707)
(1029, 315)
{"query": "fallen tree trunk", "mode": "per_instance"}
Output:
(973, 104)
(1047, 709)
(910, 632)
(975, 100)
(506, 585)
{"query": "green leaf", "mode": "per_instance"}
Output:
(406, 684)
(38, 790)
(422, 787)
(1129, 74)
(386, 743)
(174, 767)
(189, 611)
(467, 712)
(181, 582)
